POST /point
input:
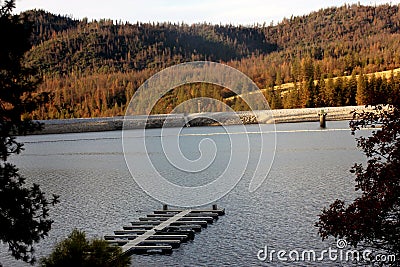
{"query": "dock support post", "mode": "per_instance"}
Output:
(186, 119)
(165, 207)
(322, 118)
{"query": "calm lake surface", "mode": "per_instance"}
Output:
(99, 195)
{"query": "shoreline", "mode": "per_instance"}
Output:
(195, 119)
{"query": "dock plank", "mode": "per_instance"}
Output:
(194, 218)
(148, 227)
(147, 248)
(205, 214)
(183, 238)
(218, 211)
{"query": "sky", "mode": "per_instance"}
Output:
(244, 12)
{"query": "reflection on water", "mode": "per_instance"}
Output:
(98, 195)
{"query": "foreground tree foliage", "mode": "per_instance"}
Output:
(24, 211)
(77, 251)
(374, 217)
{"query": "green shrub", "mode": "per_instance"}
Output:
(77, 251)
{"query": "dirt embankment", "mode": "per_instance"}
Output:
(196, 119)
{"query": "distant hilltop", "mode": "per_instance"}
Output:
(93, 68)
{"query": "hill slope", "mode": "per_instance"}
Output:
(93, 68)
(62, 44)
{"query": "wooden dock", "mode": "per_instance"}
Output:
(164, 230)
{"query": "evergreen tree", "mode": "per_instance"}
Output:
(362, 89)
(339, 92)
(320, 93)
(351, 90)
(330, 96)
(77, 251)
(24, 212)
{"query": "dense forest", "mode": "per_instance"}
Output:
(92, 68)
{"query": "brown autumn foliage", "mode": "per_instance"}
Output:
(93, 68)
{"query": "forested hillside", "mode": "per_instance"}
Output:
(63, 45)
(93, 68)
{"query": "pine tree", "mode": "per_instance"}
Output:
(24, 212)
(362, 87)
(351, 90)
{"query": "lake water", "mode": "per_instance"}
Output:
(98, 194)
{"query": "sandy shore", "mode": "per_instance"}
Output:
(197, 119)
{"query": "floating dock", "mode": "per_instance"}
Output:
(164, 230)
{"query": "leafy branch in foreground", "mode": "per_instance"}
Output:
(24, 211)
(373, 218)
